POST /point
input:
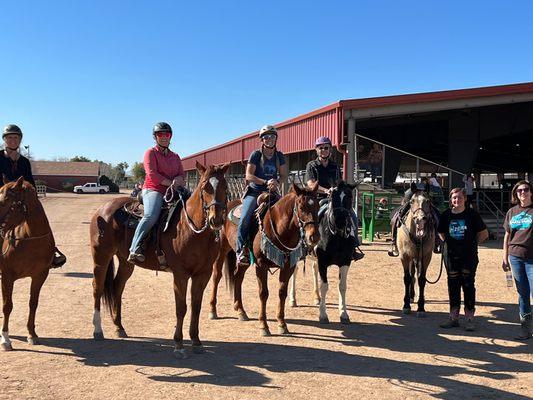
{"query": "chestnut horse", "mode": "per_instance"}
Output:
(190, 247)
(416, 240)
(27, 249)
(288, 224)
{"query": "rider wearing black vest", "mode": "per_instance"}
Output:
(327, 173)
(13, 165)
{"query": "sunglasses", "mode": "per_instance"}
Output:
(164, 134)
(324, 147)
(522, 190)
(269, 137)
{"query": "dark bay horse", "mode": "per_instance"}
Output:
(416, 240)
(190, 246)
(288, 224)
(27, 249)
(335, 247)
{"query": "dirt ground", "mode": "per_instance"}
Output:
(382, 354)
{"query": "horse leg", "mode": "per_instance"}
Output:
(35, 289)
(7, 298)
(284, 277)
(343, 275)
(292, 288)
(125, 269)
(99, 277)
(198, 284)
(407, 281)
(421, 312)
(180, 294)
(316, 284)
(412, 285)
(323, 315)
(262, 282)
(217, 275)
(237, 293)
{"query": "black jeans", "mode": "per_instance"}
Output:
(461, 275)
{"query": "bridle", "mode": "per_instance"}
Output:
(330, 219)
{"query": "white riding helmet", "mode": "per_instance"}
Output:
(267, 130)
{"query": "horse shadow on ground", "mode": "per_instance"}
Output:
(228, 364)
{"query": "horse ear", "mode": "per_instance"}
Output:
(414, 188)
(4, 178)
(296, 189)
(19, 183)
(352, 186)
(224, 168)
(201, 169)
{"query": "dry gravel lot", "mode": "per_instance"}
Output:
(382, 354)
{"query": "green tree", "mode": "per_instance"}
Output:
(118, 172)
(138, 172)
(80, 159)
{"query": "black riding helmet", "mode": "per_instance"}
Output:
(11, 129)
(161, 127)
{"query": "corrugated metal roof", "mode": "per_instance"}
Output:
(299, 134)
(69, 168)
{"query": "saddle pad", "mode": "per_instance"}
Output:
(234, 214)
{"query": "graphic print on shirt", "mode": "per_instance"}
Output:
(269, 170)
(457, 229)
(521, 221)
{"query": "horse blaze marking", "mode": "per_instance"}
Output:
(342, 196)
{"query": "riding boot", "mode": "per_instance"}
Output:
(357, 254)
(453, 320)
(243, 256)
(59, 259)
(469, 326)
(525, 328)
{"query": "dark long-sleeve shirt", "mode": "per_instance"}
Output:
(13, 170)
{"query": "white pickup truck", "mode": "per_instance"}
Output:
(91, 188)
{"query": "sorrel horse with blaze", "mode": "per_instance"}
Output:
(27, 250)
(190, 247)
(283, 224)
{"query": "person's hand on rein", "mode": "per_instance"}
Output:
(273, 185)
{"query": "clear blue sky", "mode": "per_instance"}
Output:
(91, 78)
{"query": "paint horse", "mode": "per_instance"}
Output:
(288, 228)
(190, 246)
(416, 240)
(335, 247)
(27, 250)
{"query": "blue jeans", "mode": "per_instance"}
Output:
(152, 201)
(523, 277)
(249, 205)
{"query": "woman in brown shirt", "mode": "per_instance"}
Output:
(518, 251)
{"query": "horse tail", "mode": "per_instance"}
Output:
(109, 293)
(230, 270)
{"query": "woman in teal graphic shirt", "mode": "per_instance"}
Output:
(518, 251)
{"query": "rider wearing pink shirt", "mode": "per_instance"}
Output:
(163, 169)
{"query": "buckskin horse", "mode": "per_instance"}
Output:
(27, 250)
(287, 228)
(416, 240)
(335, 247)
(190, 246)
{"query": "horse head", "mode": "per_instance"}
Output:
(13, 204)
(420, 210)
(306, 212)
(213, 193)
(339, 219)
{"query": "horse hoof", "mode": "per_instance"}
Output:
(98, 335)
(283, 330)
(243, 317)
(406, 311)
(346, 321)
(213, 315)
(6, 347)
(33, 340)
(293, 303)
(121, 333)
(198, 349)
(323, 320)
(421, 314)
(265, 332)
(180, 354)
